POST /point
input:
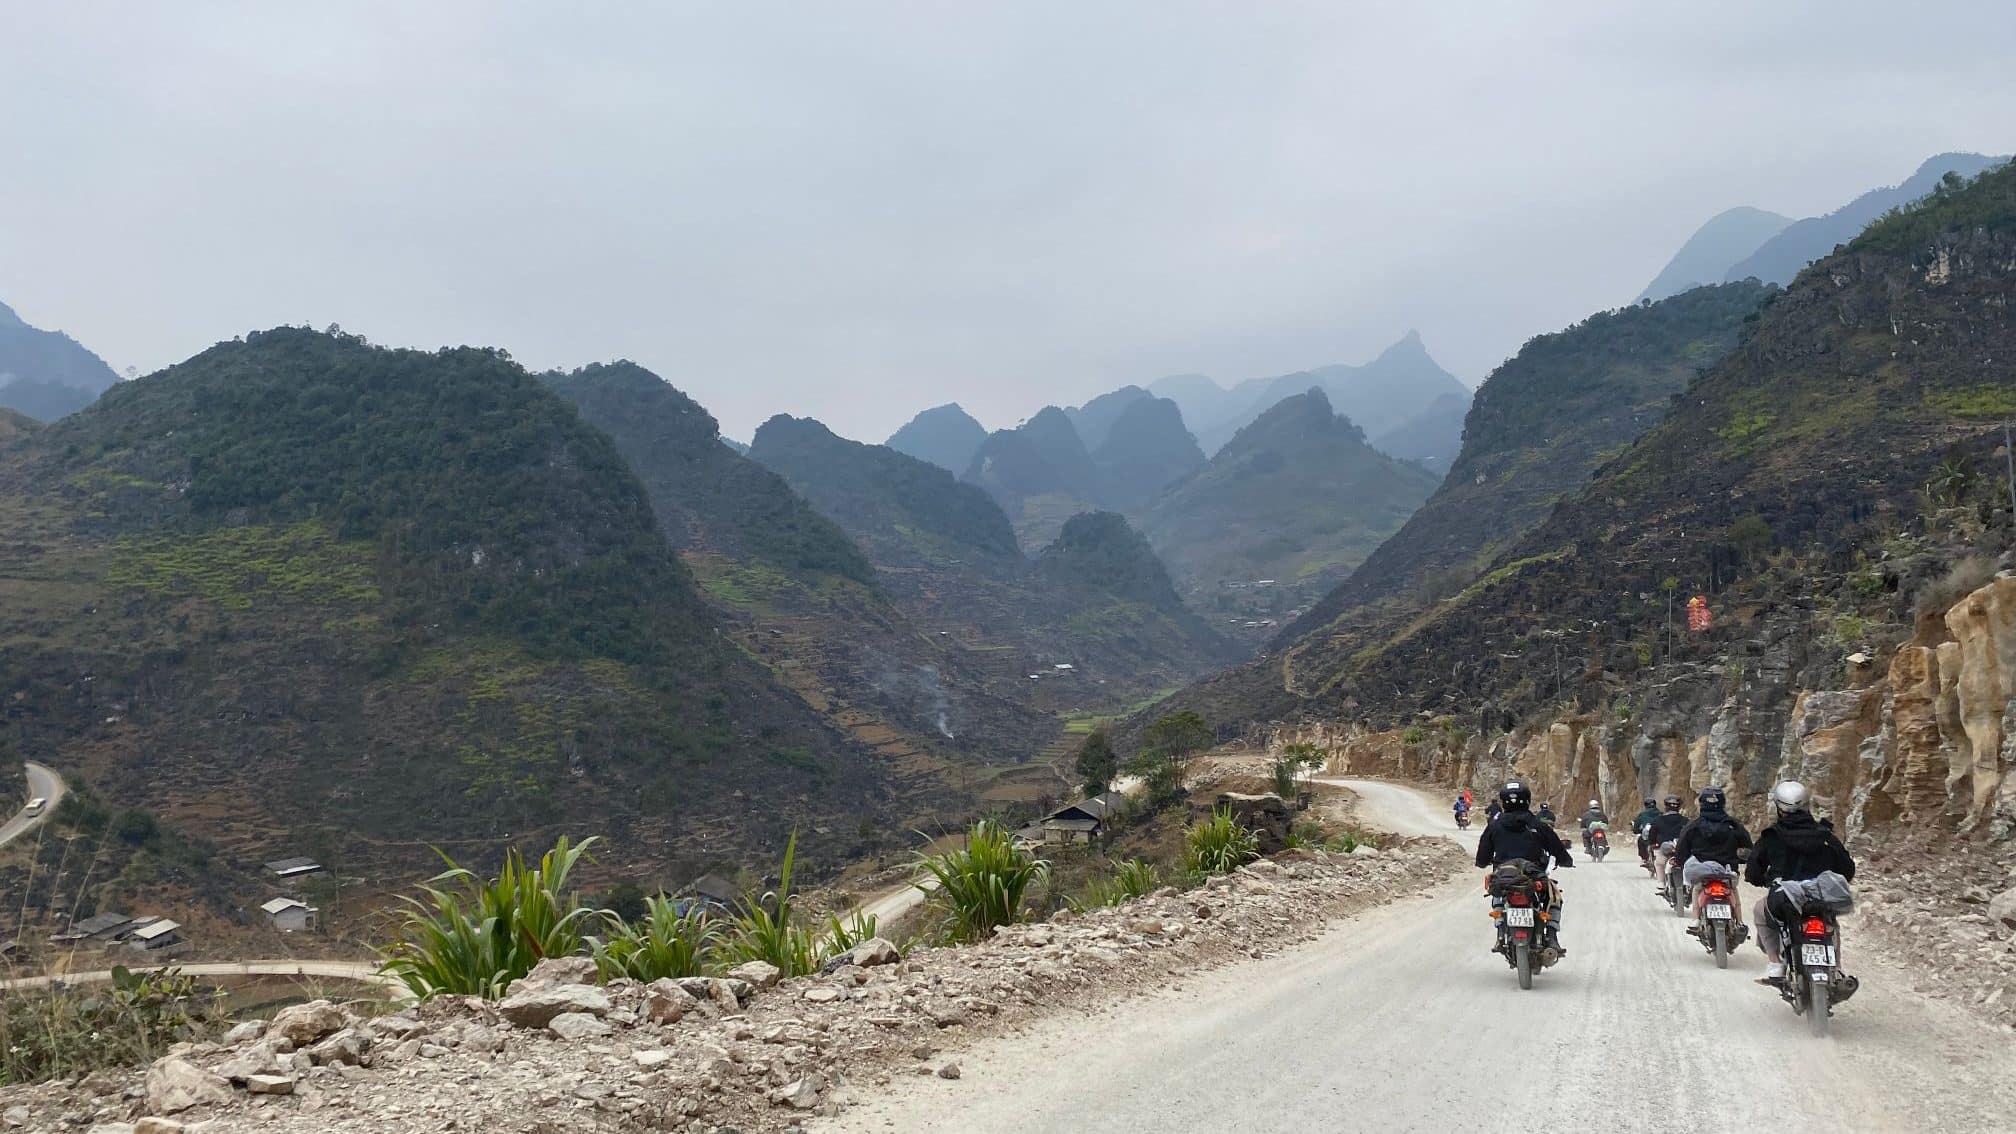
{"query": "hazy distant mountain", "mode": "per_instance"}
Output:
(1379, 396)
(946, 435)
(1730, 237)
(1146, 450)
(1433, 437)
(1040, 474)
(1297, 495)
(47, 374)
(1781, 257)
(1095, 418)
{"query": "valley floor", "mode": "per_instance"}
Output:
(1399, 1020)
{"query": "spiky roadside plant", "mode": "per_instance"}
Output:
(662, 943)
(764, 929)
(1219, 845)
(982, 884)
(470, 937)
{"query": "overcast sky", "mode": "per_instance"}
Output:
(853, 211)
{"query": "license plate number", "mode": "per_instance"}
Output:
(1821, 955)
(1718, 911)
(1518, 916)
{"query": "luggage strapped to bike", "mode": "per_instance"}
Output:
(1513, 877)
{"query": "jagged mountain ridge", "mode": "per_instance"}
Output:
(1724, 240)
(1040, 473)
(1883, 341)
(946, 436)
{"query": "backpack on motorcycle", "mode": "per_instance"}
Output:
(1512, 877)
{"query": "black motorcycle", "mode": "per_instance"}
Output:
(1519, 905)
(1813, 983)
(1597, 842)
(1463, 820)
(1675, 885)
(1717, 927)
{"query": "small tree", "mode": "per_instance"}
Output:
(1295, 761)
(1166, 749)
(1097, 762)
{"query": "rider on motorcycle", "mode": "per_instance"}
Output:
(1591, 819)
(1641, 823)
(1462, 807)
(1547, 813)
(1713, 838)
(1662, 833)
(1518, 834)
(1796, 848)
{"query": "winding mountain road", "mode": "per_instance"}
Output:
(1401, 1021)
(43, 783)
(363, 972)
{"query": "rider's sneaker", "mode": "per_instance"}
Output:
(1693, 931)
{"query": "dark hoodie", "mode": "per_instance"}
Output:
(1714, 837)
(1796, 848)
(1520, 834)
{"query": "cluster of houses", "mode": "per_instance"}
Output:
(288, 913)
(148, 936)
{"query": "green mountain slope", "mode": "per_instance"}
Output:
(301, 587)
(1778, 476)
(796, 592)
(1296, 497)
(47, 374)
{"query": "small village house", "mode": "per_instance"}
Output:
(101, 927)
(294, 867)
(289, 915)
(1083, 821)
(158, 936)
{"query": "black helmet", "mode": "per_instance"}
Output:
(1672, 803)
(1515, 796)
(1712, 799)
(1650, 802)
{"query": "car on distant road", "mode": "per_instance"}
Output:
(36, 805)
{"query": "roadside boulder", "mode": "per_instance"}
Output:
(577, 1026)
(533, 1005)
(345, 1048)
(2002, 908)
(875, 951)
(562, 970)
(303, 1024)
(667, 1003)
(270, 1084)
(174, 1085)
(758, 974)
(801, 1093)
(259, 1059)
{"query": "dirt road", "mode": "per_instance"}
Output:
(1400, 1021)
(43, 784)
(363, 972)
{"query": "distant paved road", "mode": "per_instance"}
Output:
(364, 972)
(43, 782)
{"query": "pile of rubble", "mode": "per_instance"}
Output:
(744, 1051)
(1948, 916)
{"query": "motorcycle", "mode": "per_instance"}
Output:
(1717, 926)
(1519, 905)
(1676, 886)
(1813, 982)
(1597, 843)
(1462, 820)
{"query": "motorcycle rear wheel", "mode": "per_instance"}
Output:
(1817, 996)
(1721, 945)
(1522, 960)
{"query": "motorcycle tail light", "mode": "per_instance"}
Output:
(1717, 890)
(1517, 900)
(1814, 927)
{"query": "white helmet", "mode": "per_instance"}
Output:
(1791, 795)
(1593, 803)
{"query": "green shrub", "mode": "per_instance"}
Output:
(982, 885)
(52, 1032)
(1131, 878)
(469, 937)
(662, 943)
(842, 936)
(764, 929)
(1219, 845)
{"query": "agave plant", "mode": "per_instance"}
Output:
(1219, 845)
(982, 884)
(763, 926)
(470, 937)
(665, 942)
(842, 936)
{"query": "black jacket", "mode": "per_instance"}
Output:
(1593, 815)
(1797, 848)
(1520, 834)
(1642, 822)
(1667, 827)
(1714, 837)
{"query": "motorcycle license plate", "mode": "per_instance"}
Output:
(1518, 915)
(1719, 911)
(1821, 955)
